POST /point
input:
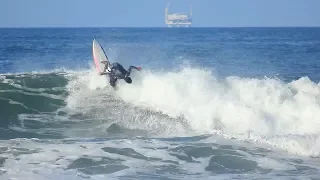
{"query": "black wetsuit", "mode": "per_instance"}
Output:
(118, 72)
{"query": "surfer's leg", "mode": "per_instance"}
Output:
(129, 70)
(113, 81)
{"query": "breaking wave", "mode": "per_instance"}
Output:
(186, 102)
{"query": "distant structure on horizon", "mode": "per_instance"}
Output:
(178, 19)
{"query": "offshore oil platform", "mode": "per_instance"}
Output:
(178, 19)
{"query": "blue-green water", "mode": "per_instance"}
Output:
(209, 103)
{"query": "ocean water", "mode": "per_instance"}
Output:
(209, 103)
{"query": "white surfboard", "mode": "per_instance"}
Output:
(98, 55)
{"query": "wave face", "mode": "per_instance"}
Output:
(83, 125)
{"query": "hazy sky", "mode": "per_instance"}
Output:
(150, 13)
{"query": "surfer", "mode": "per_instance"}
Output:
(116, 71)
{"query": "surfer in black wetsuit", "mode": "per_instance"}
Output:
(116, 71)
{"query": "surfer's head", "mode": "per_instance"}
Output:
(128, 80)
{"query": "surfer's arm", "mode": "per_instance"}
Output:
(134, 67)
(104, 71)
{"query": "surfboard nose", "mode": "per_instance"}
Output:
(99, 56)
